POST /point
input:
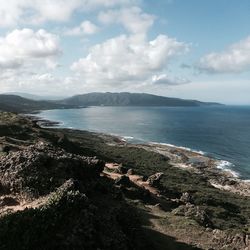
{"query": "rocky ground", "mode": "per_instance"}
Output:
(200, 164)
(69, 189)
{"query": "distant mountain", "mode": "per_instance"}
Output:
(129, 99)
(14, 103)
(35, 97)
(18, 104)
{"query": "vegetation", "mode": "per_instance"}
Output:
(13, 103)
(78, 205)
(129, 99)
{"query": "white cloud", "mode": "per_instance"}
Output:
(13, 12)
(130, 61)
(127, 60)
(38, 83)
(235, 59)
(85, 28)
(133, 19)
(23, 47)
(168, 80)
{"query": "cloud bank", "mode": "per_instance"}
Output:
(25, 46)
(235, 59)
(14, 12)
(29, 56)
(127, 60)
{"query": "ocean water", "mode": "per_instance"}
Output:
(221, 132)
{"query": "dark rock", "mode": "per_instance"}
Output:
(194, 212)
(8, 201)
(131, 172)
(230, 182)
(186, 198)
(154, 180)
(6, 149)
(121, 169)
(123, 180)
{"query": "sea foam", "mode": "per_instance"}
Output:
(179, 147)
(227, 166)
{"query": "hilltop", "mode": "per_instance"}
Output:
(18, 104)
(130, 99)
(35, 97)
(21, 104)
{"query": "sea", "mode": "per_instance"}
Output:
(222, 132)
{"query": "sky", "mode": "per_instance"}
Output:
(193, 49)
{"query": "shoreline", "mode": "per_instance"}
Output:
(203, 165)
(181, 157)
(221, 164)
(173, 192)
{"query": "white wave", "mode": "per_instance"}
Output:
(226, 166)
(128, 137)
(179, 147)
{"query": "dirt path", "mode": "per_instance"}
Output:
(136, 179)
(12, 204)
(170, 231)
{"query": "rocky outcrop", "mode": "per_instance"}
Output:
(8, 201)
(130, 171)
(121, 169)
(231, 241)
(154, 180)
(71, 205)
(123, 181)
(186, 198)
(41, 168)
(193, 212)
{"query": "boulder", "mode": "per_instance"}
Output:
(193, 212)
(123, 181)
(121, 169)
(131, 172)
(6, 149)
(154, 180)
(186, 198)
(8, 201)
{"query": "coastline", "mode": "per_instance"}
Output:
(174, 192)
(219, 176)
(202, 165)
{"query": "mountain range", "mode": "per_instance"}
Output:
(16, 103)
(129, 99)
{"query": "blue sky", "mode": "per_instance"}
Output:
(195, 49)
